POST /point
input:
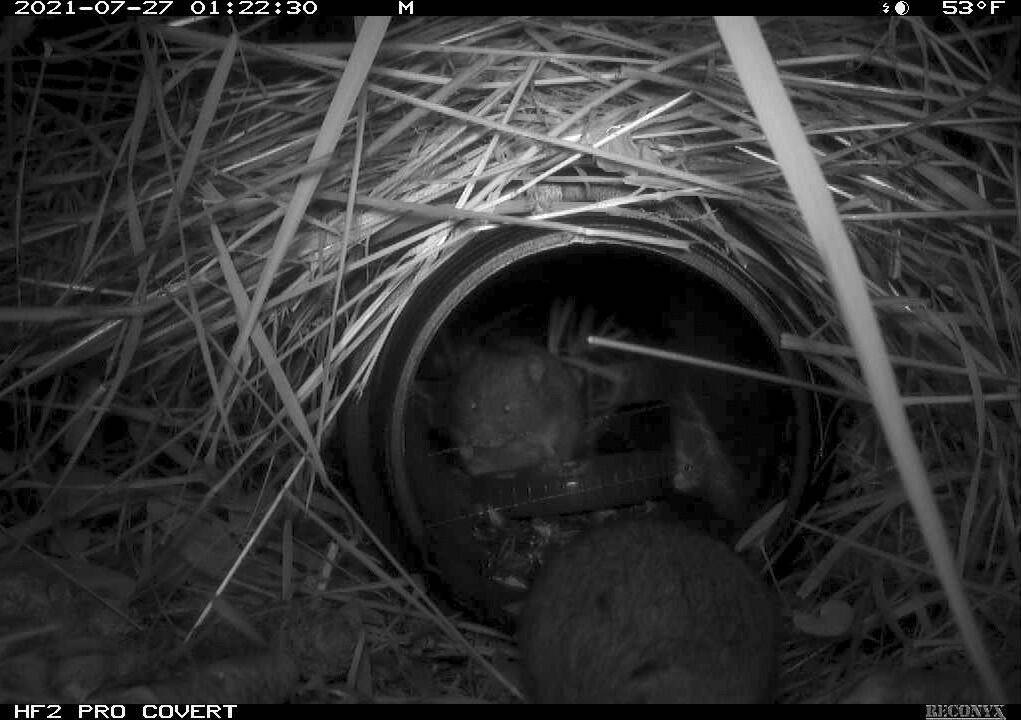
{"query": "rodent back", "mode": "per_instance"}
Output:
(648, 611)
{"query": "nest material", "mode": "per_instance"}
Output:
(150, 186)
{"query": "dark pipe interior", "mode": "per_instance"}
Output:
(662, 303)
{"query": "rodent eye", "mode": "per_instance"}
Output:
(507, 408)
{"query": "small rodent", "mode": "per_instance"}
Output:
(701, 465)
(648, 611)
(515, 405)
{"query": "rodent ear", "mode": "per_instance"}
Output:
(536, 369)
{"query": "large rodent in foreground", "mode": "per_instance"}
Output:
(515, 405)
(648, 611)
